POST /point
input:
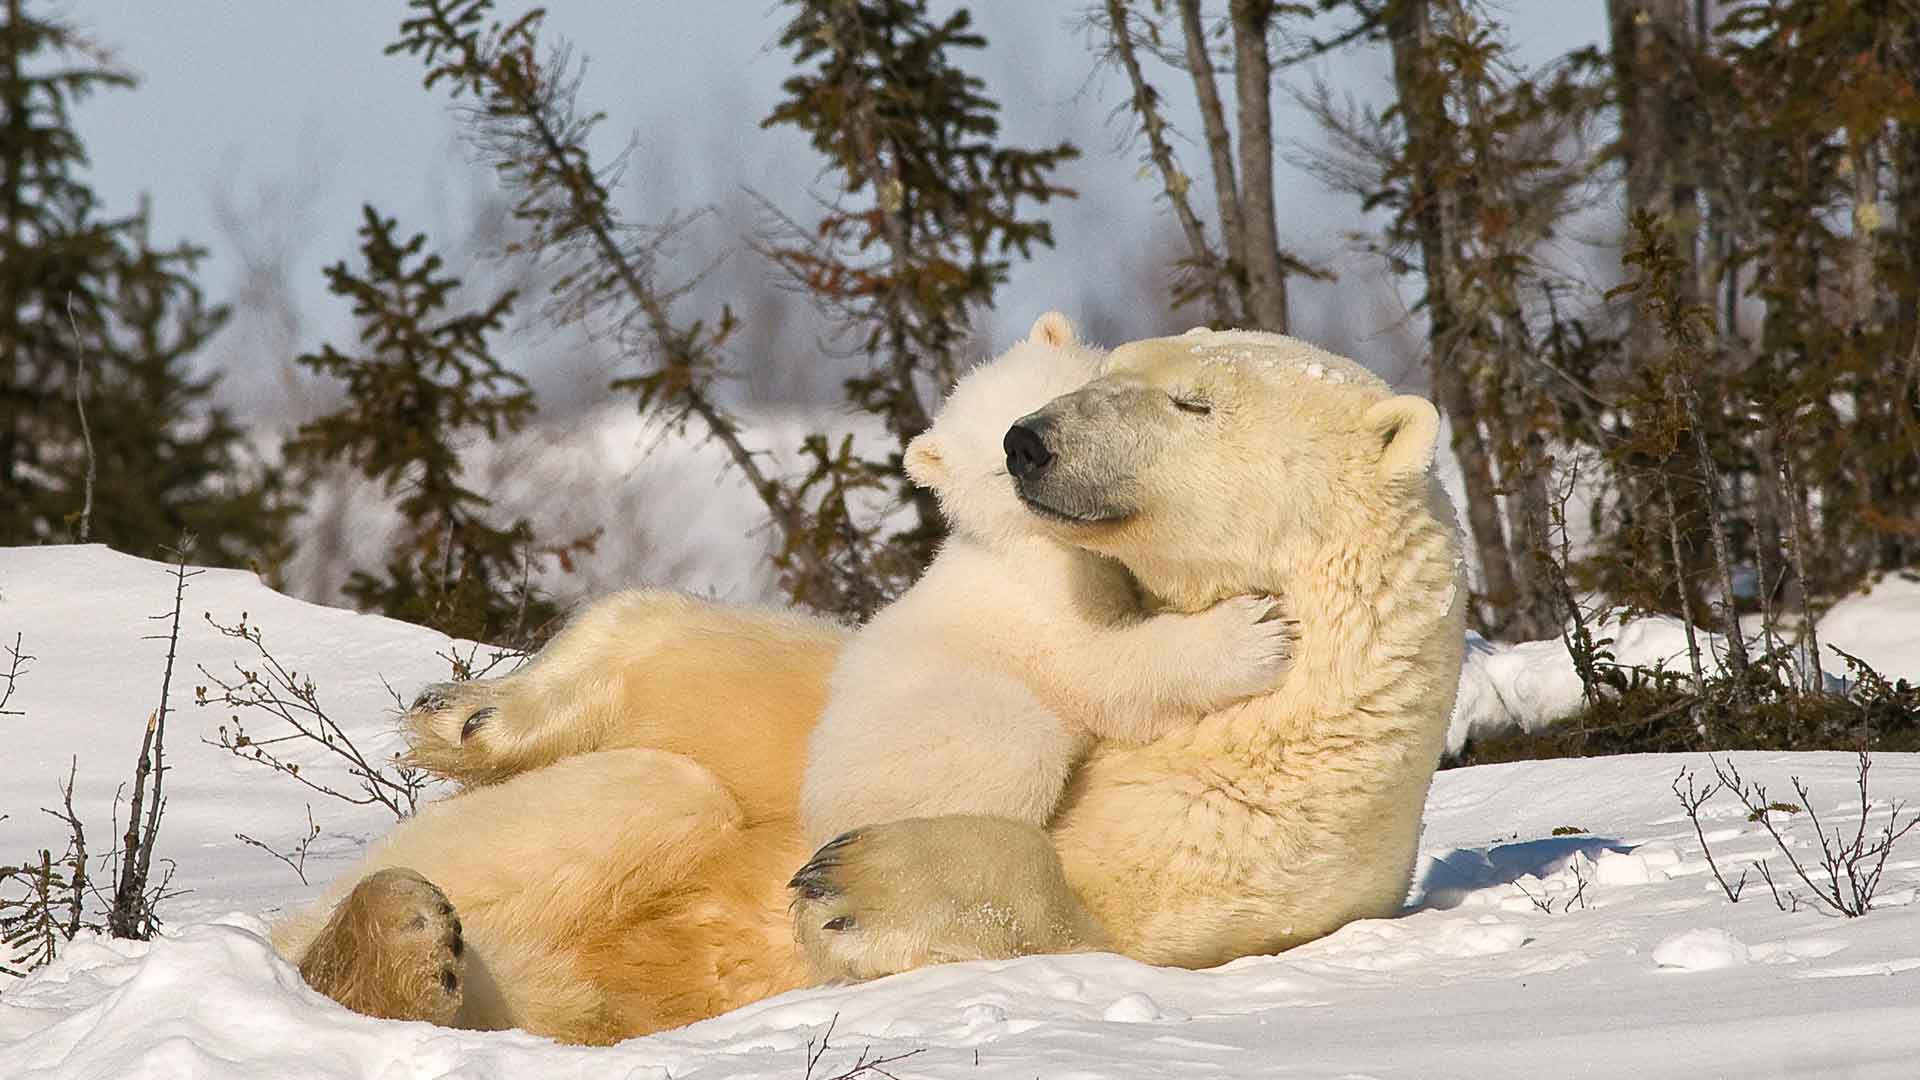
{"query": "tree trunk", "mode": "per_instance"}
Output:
(1253, 85)
(1658, 148)
(1656, 139)
(1213, 120)
(1417, 82)
(14, 377)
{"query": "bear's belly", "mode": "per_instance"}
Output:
(1193, 863)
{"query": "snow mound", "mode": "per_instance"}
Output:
(1475, 977)
(1703, 948)
(1880, 625)
(1532, 685)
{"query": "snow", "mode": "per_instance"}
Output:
(1880, 626)
(1564, 921)
(1533, 684)
(1703, 948)
(673, 509)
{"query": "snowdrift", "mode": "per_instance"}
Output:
(1527, 949)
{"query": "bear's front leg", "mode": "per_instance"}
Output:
(883, 899)
(391, 949)
(1168, 670)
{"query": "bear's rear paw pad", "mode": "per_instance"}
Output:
(392, 949)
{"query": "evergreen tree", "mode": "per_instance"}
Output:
(932, 212)
(525, 120)
(105, 433)
(1478, 161)
(426, 384)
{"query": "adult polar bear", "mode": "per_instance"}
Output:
(620, 891)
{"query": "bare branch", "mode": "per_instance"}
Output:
(134, 895)
(1175, 184)
(1692, 800)
(297, 861)
(293, 700)
(80, 406)
(17, 662)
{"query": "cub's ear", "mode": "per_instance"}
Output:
(1053, 329)
(1407, 427)
(925, 461)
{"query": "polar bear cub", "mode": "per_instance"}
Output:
(980, 688)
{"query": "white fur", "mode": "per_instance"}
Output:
(612, 892)
(978, 690)
(1271, 822)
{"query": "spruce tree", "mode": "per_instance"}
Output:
(98, 330)
(423, 384)
(934, 209)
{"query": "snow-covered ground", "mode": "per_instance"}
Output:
(1641, 968)
(1532, 684)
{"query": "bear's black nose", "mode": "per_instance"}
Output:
(1027, 453)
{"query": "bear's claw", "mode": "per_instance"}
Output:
(814, 881)
(474, 722)
(430, 699)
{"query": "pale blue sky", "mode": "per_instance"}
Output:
(249, 96)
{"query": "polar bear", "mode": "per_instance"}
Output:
(616, 892)
(1211, 464)
(979, 689)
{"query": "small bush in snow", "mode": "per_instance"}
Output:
(1850, 865)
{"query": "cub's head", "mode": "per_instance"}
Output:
(960, 458)
(1204, 461)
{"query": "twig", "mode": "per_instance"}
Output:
(862, 1066)
(294, 700)
(16, 667)
(1579, 886)
(298, 861)
(1541, 903)
(1766, 875)
(76, 851)
(80, 404)
(1693, 800)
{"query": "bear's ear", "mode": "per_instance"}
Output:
(925, 463)
(1408, 428)
(1053, 329)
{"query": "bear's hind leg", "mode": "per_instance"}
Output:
(391, 949)
(883, 899)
